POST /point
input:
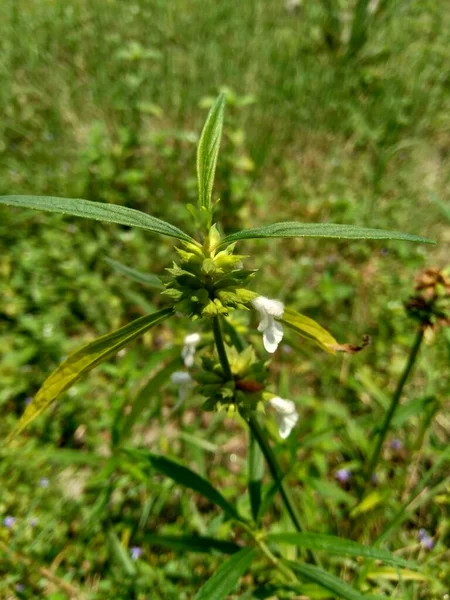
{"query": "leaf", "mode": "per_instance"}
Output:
(192, 543)
(309, 329)
(185, 477)
(390, 574)
(152, 387)
(325, 230)
(82, 361)
(99, 211)
(208, 151)
(145, 278)
(327, 581)
(369, 503)
(335, 545)
(255, 475)
(121, 555)
(227, 576)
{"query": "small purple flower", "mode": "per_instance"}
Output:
(396, 444)
(34, 521)
(20, 588)
(44, 482)
(9, 521)
(343, 475)
(135, 552)
(28, 400)
(425, 539)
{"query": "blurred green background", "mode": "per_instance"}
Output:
(327, 119)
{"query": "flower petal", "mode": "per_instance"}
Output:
(286, 424)
(272, 335)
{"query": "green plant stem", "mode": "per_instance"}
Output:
(217, 330)
(275, 471)
(392, 408)
(260, 437)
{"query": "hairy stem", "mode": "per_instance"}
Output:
(375, 457)
(275, 470)
(217, 330)
(260, 437)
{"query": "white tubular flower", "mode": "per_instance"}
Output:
(286, 415)
(272, 331)
(183, 380)
(188, 352)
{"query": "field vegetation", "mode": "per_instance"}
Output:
(336, 111)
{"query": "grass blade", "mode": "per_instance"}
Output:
(255, 475)
(192, 543)
(185, 477)
(227, 576)
(326, 581)
(151, 388)
(335, 545)
(322, 230)
(99, 211)
(145, 278)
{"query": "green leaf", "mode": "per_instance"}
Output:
(309, 329)
(335, 545)
(208, 151)
(225, 579)
(82, 361)
(192, 543)
(327, 581)
(185, 477)
(121, 555)
(151, 388)
(325, 230)
(255, 475)
(145, 278)
(370, 502)
(99, 211)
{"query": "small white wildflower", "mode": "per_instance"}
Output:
(188, 352)
(286, 415)
(271, 329)
(183, 380)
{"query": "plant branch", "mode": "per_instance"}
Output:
(275, 471)
(392, 408)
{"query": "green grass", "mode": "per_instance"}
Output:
(105, 100)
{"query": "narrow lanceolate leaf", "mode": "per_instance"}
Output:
(99, 211)
(147, 393)
(335, 545)
(255, 475)
(192, 543)
(144, 278)
(226, 578)
(323, 230)
(309, 329)
(121, 554)
(327, 581)
(185, 477)
(82, 361)
(208, 151)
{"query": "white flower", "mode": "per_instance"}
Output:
(188, 352)
(183, 380)
(286, 415)
(272, 331)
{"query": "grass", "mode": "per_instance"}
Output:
(104, 100)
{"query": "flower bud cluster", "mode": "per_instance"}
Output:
(243, 392)
(207, 283)
(431, 303)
